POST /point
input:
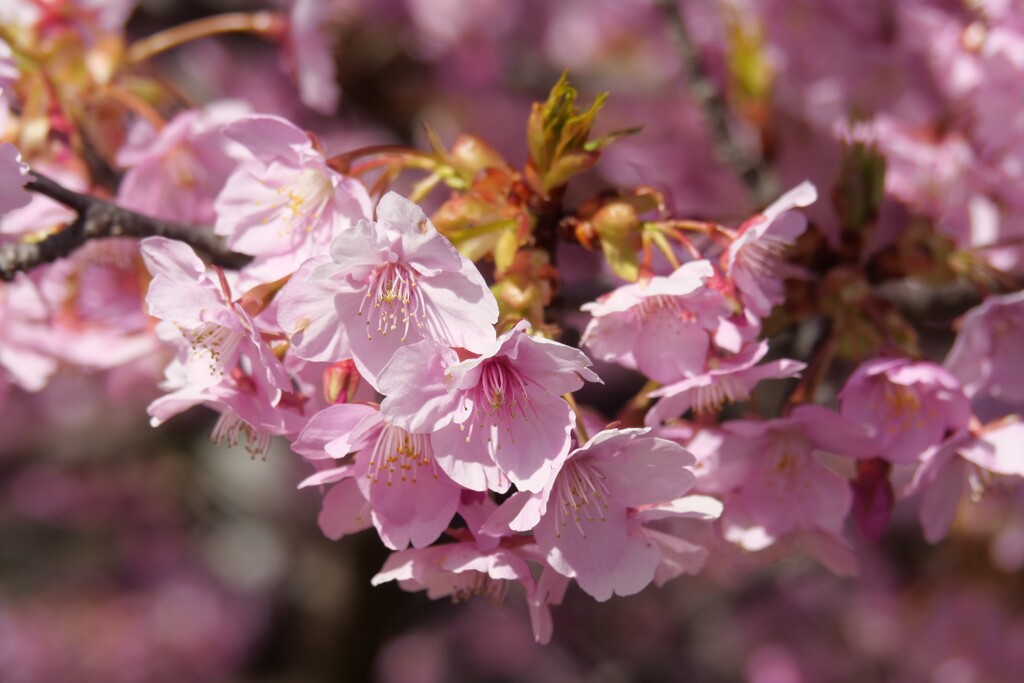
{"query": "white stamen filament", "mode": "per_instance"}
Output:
(396, 300)
(763, 256)
(581, 490)
(399, 455)
(306, 199)
(216, 341)
(723, 389)
(229, 429)
(479, 584)
(500, 398)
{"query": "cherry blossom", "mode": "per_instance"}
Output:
(966, 463)
(177, 172)
(493, 416)
(26, 353)
(911, 405)
(754, 260)
(411, 500)
(985, 356)
(395, 281)
(662, 327)
(589, 519)
(725, 381)
(200, 316)
(772, 483)
(309, 56)
(283, 203)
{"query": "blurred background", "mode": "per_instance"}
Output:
(134, 555)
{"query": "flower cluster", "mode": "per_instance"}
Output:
(420, 366)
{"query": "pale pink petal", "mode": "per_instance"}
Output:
(307, 312)
(830, 550)
(345, 511)
(999, 450)
(941, 499)
(465, 457)
(647, 471)
(558, 368)
(180, 290)
(331, 425)
(417, 393)
(537, 445)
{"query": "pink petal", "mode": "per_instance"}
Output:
(345, 511)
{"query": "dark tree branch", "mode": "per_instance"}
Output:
(99, 219)
(748, 164)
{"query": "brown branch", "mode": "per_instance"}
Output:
(99, 219)
(707, 94)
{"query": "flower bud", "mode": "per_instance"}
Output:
(340, 381)
(472, 155)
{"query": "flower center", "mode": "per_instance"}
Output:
(230, 428)
(393, 299)
(903, 407)
(184, 169)
(306, 199)
(479, 583)
(582, 496)
(723, 389)
(216, 342)
(398, 456)
(763, 256)
(500, 397)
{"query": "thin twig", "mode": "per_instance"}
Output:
(99, 219)
(749, 165)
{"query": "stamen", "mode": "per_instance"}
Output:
(397, 300)
(306, 199)
(216, 341)
(480, 584)
(723, 389)
(399, 456)
(229, 429)
(581, 490)
(500, 397)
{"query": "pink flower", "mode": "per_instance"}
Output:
(661, 328)
(478, 564)
(754, 260)
(410, 499)
(306, 309)
(199, 315)
(394, 281)
(589, 519)
(284, 204)
(177, 172)
(249, 405)
(910, 405)
(966, 462)
(13, 176)
(726, 381)
(772, 483)
(96, 298)
(310, 57)
(986, 354)
(490, 417)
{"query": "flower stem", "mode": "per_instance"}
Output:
(266, 24)
(580, 428)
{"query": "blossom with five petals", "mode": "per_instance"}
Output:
(395, 281)
(493, 418)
